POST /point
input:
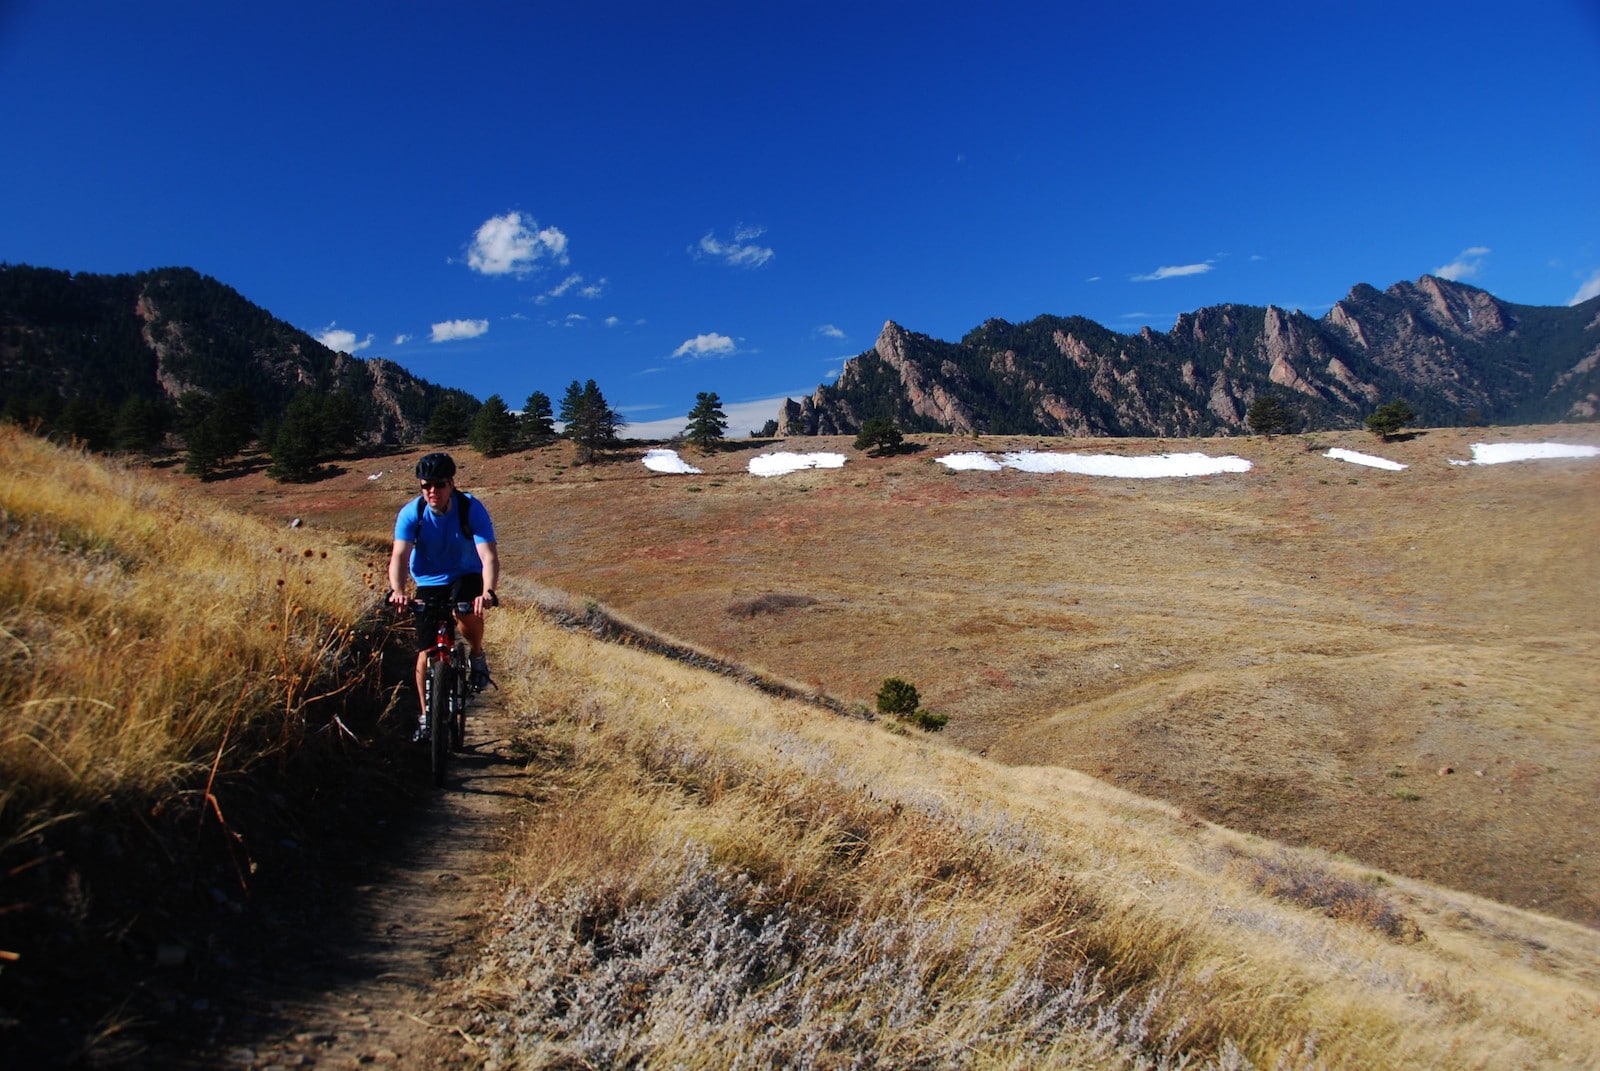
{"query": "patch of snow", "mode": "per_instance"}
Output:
(969, 461)
(1139, 468)
(1340, 454)
(1501, 453)
(668, 461)
(783, 462)
(375, 475)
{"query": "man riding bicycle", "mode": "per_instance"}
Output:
(445, 540)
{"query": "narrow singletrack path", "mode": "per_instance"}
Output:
(358, 982)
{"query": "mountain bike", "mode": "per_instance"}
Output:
(446, 686)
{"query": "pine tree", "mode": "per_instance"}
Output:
(1268, 416)
(590, 422)
(880, 434)
(1390, 418)
(450, 420)
(494, 429)
(707, 422)
(538, 421)
(299, 447)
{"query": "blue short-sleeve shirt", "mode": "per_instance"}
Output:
(440, 552)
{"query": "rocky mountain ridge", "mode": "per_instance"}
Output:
(97, 340)
(1456, 353)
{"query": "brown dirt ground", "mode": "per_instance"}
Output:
(1299, 651)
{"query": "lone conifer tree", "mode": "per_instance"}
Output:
(1268, 416)
(1390, 418)
(707, 422)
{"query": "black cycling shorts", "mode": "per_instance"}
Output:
(441, 597)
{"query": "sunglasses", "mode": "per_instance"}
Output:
(429, 486)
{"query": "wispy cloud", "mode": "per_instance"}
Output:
(513, 244)
(338, 339)
(572, 283)
(452, 330)
(1174, 271)
(1465, 266)
(829, 331)
(707, 345)
(402, 339)
(1589, 289)
(742, 252)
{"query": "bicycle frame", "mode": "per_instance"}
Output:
(445, 685)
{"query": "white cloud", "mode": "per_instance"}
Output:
(575, 318)
(1589, 289)
(512, 244)
(401, 340)
(711, 345)
(1465, 266)
(739, 253)
(452, 330)
(560, 288)
(342, 341)
(611, 321)
(830, 331)
(1174, 271)
(570, 283)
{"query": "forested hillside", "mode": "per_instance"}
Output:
(119, 361)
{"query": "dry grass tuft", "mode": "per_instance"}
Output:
(1301, 881)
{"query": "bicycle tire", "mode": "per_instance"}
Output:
(441, 682)
(463, 692)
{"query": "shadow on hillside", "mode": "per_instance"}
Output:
(326, 880)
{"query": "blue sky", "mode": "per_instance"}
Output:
(672, 198)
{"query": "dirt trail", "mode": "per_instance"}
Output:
(357, 983)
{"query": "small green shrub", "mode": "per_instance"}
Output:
(898, 697)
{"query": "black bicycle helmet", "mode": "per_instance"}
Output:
(436, 467)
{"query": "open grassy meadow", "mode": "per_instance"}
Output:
(1298, 651)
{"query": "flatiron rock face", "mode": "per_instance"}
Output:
(1457, 354)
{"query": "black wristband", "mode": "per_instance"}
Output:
(494, 600)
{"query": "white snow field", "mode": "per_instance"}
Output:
(1340, 454)
(1139, 468)
(668, 461)
(1501, 453)
(784, 462)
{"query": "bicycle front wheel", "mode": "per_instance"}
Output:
(441, 684)
(463, 692)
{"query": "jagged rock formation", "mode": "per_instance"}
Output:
(1455, 353)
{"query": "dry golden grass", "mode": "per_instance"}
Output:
(938, 909)
(150, 635)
